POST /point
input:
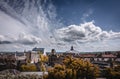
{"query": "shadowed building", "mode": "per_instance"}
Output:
(52, 58)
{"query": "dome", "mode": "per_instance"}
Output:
(72, 50)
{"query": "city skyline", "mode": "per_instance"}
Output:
(88, 25)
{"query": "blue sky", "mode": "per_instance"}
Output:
(88, 25)
(104, 12)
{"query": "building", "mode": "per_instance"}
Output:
(53, 58)
(35, 54)
(40, 50)
(88, 56)
(20, 56)
(71, 52)
(105, 57)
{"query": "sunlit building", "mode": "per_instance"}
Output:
(34, 55)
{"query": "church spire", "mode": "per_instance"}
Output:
(72, 48)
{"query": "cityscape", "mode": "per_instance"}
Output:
(59, 39)
(36, 61)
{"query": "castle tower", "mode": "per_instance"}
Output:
(53, 51)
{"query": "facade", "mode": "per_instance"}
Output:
(105, 57)
(88, 57)
(35, 54)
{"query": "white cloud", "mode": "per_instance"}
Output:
(10, 26)
(5, 40)
(87, 32)
(2, 38)
(27, 39)
(30, 25)
(33, 18)
(23, 38)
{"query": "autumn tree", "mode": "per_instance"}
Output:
(29, 67)
(112, 73)
(82, 68)
(73, 68)
(42, 60)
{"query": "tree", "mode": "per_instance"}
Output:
(112, 73)
(73, 68)
(42, 60)
(59, 72)
(82, 68)
(29, 67)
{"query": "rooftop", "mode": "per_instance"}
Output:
(38, 49)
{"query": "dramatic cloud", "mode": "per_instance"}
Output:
(28, 39)
(25, 24)
(87, 32)
(21, 39)
(4, 40)
(36, 19)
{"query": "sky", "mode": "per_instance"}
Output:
(88, 25)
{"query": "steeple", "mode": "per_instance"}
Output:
(72, 48)
(72, 51)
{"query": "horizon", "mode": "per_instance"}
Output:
(58, 51)
(88, 25)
